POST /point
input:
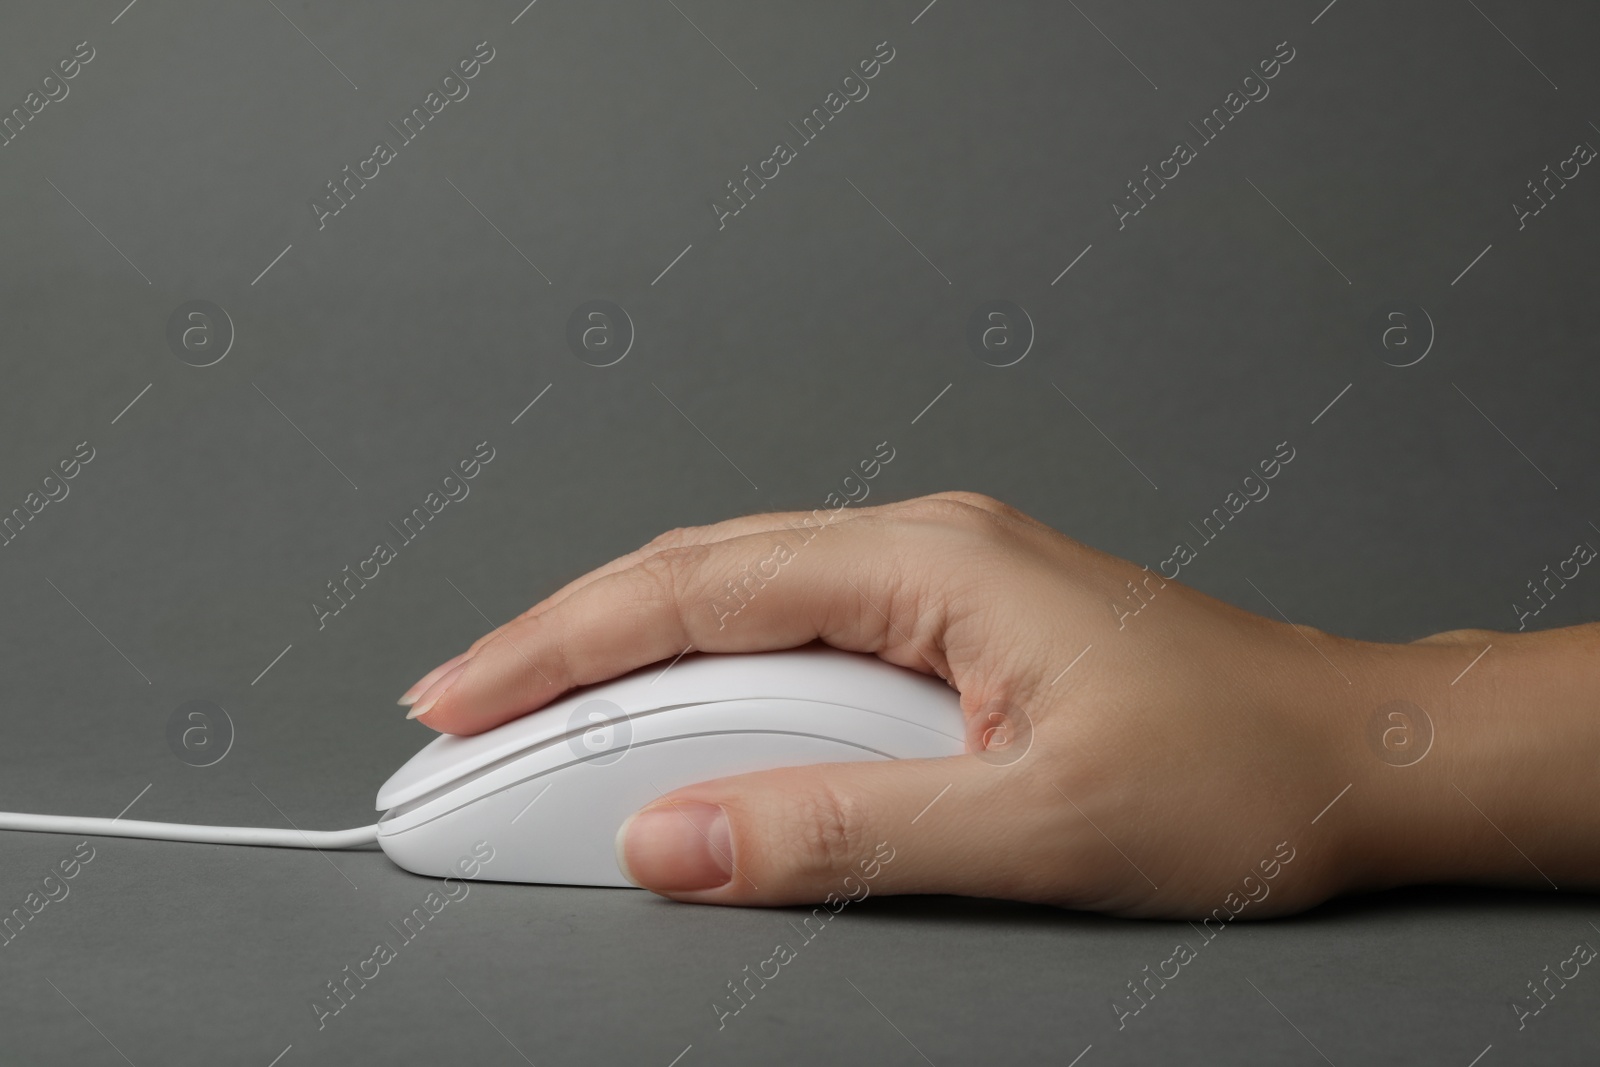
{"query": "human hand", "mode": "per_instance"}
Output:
(1135, 746)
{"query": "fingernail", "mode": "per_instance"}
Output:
(676, 847)
(410, 696)
(428, 699)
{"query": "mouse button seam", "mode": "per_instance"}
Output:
(492, 765)
(415, 806)
(470, 772)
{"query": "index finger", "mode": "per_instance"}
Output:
(852, 585)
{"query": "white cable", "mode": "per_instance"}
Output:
(172, 831)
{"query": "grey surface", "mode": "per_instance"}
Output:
(1212, 327)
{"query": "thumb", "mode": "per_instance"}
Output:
(799, 834)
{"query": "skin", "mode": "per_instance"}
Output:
(1189, 745)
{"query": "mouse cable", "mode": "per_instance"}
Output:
(172, 831)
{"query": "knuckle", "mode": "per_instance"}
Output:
(670, 571)
(945, 511)
(521, 622)
(981, 501)
(673, 538)
(831, 831)
(998, 513)
(489, 638)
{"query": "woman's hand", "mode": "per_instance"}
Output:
(1135, 746)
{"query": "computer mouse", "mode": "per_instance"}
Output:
(543, 796)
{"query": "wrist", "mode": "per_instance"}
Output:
(1475, 766)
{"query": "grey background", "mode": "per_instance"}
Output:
(1221, 321)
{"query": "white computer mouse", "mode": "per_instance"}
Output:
(545, 795)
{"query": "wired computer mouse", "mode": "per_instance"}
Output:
(541, 798)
